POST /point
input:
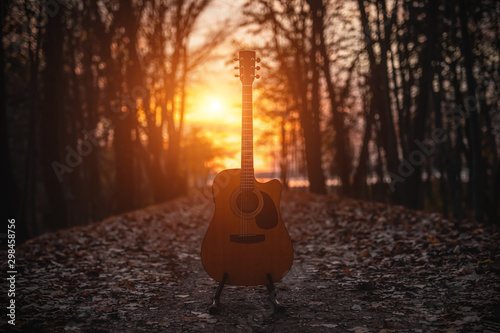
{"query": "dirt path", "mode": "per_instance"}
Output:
(359, 267)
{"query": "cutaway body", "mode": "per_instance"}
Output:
(247, 238)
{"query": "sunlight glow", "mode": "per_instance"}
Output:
(214, 105)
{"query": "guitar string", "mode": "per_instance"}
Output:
(246, 179)
(249, 152)
(242, 176)
(247, 105)
(245, 112)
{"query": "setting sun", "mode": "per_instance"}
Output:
(218, 112)
(214, 105)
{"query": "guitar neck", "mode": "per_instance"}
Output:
(247, 69)
(247, 173)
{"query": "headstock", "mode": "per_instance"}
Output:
(247, 67)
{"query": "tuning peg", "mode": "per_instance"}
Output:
(257, 68)
(258, 60)
(257, 76)
(236, 75)
(235, 59)
(236, 67)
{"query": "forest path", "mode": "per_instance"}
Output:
(359, 267)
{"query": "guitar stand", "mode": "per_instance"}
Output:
(214, 308)
(277, 307)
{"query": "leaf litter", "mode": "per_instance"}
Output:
(358, 267)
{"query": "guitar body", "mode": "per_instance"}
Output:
(247, 238)
(247, 242)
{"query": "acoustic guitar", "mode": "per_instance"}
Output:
(247, 242)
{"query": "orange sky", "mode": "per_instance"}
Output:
(216, 109)
(215, 99)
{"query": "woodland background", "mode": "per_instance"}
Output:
(397, 101)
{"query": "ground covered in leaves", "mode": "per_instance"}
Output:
(359, 267)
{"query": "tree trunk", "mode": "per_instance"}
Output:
(51, 127)
(359, 179)
(91, 97)
(442, 152)
(312, 133)
(284, 152)
(413, 182)
(474, 128)
(342, 156)
(379, 86)
(8, 181)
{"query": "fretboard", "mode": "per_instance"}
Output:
(247, 175)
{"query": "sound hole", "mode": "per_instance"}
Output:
(247, 201)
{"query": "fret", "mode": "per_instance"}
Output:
(247, 171)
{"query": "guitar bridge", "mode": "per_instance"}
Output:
(247, 239)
